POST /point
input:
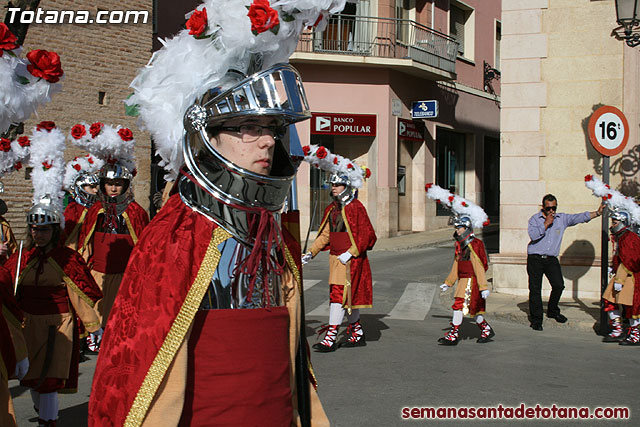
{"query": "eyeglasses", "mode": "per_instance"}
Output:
(550, 208)
(251, 133)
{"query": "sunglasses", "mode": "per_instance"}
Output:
(550, 208)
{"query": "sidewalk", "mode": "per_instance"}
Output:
(583, 314)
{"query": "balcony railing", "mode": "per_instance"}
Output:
(383, 38)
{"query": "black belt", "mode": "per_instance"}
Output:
(542, 256)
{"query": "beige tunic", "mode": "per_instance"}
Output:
(625, 296)
(337, 270)
(478, 270)
(36, 328)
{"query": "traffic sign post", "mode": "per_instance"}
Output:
(609, 134)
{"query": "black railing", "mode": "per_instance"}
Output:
(384, 38)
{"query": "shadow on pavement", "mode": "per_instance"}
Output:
(75, 416)
(371, 324)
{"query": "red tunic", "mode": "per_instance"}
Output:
(74, 216)
(172, 254)
(363, 236)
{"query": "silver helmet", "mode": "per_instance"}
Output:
(276, 92)
(44, 212)
(462, 221)
(78, 192)
(348, 194)
(116, 171)
(623, 217)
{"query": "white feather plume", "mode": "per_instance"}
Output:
(107, 146)
(186, 66)
(87, 164)
(335, 163)
(47, 161)
(20, 92)
(613, 198)
(458, 205)
(17, 154)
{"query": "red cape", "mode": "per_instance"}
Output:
(478, 248)
(161, 271)
(72, 215)
(137, 217)
(364, 237)
(629, 255)
(9, 312)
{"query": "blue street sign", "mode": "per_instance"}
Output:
(424, 109)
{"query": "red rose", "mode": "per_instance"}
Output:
(438, 201)
(78, 131)
(263, 17)
(604, 198)
(17, 166)
(197, 23)
(349, 166)
(451, 199)
(607, 185)
(484, 224)
(588, 178)
(5, 145)
(321, 153)
(465, 204)
(428, 186)
(90, 160)
(367, 173)
(95, 129)
(609, 196)
(24, 141)
(46, 165)
(335, 160)
(77, 167)
(46, 125)
(45, 65)
(306, 150)
(7, 39)
(125, 134)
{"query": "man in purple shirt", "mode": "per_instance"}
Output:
(545, 230)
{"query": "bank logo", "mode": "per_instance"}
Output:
(323, 124)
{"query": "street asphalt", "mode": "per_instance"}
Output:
(403, 366)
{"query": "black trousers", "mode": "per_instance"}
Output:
(550, 267)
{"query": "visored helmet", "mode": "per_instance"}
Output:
(462, 221)
(78, 192)
(44, 212)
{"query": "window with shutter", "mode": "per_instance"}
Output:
(457, 19)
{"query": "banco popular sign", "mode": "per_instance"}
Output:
(343, 124)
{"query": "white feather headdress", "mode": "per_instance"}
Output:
(13, 153)
(613, 198)
(87, 164)
(324, 159)
(106, 143)
(458, 205)
(220, 36)
(47, 161)
(23, 85)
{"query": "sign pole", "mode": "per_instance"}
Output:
(604, 254)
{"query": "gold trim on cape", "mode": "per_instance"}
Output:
(132, 232)
(90, 234)
(177, 333)
(353, 241)
(70, 283)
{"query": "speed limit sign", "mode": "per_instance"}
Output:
(608, 130)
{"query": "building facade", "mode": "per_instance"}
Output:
(362, 75)
(560, 62)
(99, 62)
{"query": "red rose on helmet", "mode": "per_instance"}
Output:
(367, 173)
(7, 39)
(263, 17)
(349, 166)
(90, 160)
(78, 131)
(5, 145)
(95, 129)
(487, 222)
(321, 153)
(125, 134)
(45, 65)
(335, 160)
(46, 125)
(197, 23)
(428, 186)
(24, 141)
(465, 204)
(306, 150)
(46, 165)
(588, 178)
(451, 199)
(17, 166)
(77, 167)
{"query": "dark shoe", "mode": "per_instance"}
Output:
(325, 348)
(353, 338)
(360, 343)
(444, 341)
(559, 318)
(536, 326)
(483, 340)
(612, 339)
